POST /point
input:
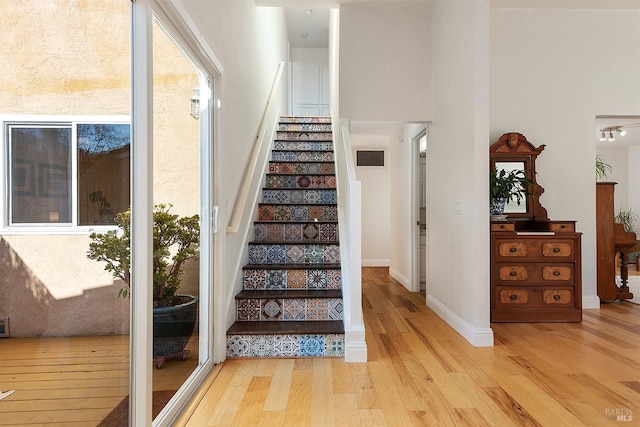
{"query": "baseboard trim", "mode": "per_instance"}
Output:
(478, 337)
(590, 302)
(355, 345)
(376, 262)
(404, 281)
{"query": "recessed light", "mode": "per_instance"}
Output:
(308, 12)
(304, 35)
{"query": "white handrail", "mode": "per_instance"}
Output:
(250, 171)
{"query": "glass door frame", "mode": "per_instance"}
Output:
(175, 22)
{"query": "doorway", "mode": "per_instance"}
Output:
(419, 149)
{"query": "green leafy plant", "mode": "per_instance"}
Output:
(510, 185)
(175, 240)
(603, 169)
(627, 218)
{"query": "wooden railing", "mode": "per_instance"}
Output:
(253, 174)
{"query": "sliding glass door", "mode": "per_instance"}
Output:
(172, 236)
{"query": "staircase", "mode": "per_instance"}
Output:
(291, 302)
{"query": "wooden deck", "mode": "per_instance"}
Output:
(74, 381)
(422, 373)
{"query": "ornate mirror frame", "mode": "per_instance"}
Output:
(513, 147)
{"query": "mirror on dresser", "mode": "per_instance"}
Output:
(512, 151)
(536, 273)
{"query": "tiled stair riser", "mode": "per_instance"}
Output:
(296, 232)
(301, 213)
(305, 127)
(303, 146)
(302, 156)
(302, 168)
(301, 181)
(303, 136)
(293, 196)
(288, 345)
(292, 279)
(305, 119)
(291, 253)
(289, 309)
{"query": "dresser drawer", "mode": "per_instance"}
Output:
(533, 297)
(539, 273)
(536, 249)
(503, 226)
(562, 227)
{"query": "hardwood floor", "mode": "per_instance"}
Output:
(420, 372)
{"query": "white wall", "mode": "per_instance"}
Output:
(634, 182)
(385, 72)
(310, 55)
(249, 42)
(457, 165)
(376, 201)
(550, 85)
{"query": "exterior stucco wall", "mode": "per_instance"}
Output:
(72, 57)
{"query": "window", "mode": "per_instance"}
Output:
(67, 173)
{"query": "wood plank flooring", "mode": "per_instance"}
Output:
(71, 381)
(420, 372)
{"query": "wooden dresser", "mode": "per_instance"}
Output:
(536, 273)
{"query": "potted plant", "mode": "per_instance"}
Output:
(602, 169)
(175, 240)
(507, 185)
(627, 218)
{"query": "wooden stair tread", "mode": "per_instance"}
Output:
(309, 266)
(302, 161)
(265, 221)
(294, 242)
(297, 204)
(286, 327)
(300, 173)
(290, 293)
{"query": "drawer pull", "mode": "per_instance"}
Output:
(513, 273)
(512, 250)
(556, 297)
(556, 250)
(556, 273)
(513, 297)
(563, 226)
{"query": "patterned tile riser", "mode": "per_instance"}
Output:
(305, 127)
(289, 310)
(303, 146)
(296, 232)
(305, 119)
(302, 156)
(301, 181)
(259, 279)
(302, 168)
(319, 253)
(303, 136)
(329, 345)
(318, 196)
(301, 213)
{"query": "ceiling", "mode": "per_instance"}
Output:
(307, 27)
(629, 123)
